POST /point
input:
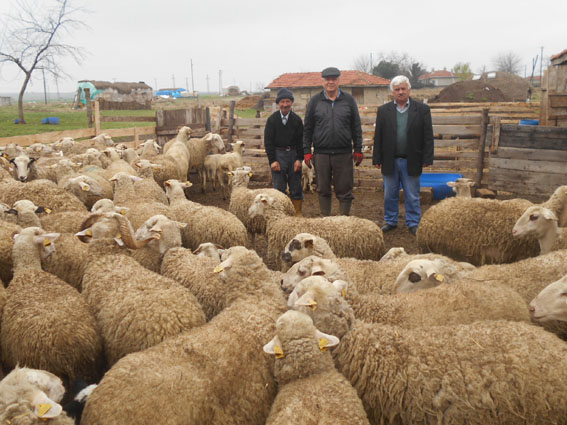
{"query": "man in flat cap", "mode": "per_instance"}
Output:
(332, 127)
(283, 141)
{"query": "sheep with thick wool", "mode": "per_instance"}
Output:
(7, 230)
(479, 231)
(488, 372)
(199, 149)
(175, 160)
(148, 187)
(550, 303)
(40, 192)
(204, 223)
(135, 307)
(46, 323)
(541, 223)
(214, 374)
(311, 391)
(347, 236)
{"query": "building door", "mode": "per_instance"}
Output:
(358, 94)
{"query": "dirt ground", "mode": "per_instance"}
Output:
(368, 204)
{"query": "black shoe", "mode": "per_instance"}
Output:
(413, 229)
(387, 227)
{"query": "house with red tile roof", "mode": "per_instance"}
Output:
(367, 89)
(442, 78)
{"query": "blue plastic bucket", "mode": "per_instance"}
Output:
(438, 181)
(529, 122)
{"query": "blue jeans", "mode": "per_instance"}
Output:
(392, 194)
(286, 176)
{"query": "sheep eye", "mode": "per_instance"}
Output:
(414, 277)
(533, 217)
(295, 244)
(564, 294)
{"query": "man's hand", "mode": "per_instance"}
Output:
(275, 166)
(357, 157)
(297, 166)
(308, 157)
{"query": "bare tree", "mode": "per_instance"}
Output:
(507, 62)
(363, 63)
(32, 39)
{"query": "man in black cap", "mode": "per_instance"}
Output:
(283, 140)
(332, 127)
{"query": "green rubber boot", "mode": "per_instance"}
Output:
(344, 207)
(325, 205)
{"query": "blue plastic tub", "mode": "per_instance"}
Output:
(50, 120)
(438, 181)
(529, 122)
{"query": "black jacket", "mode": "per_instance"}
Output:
(332, 129)
(419, 137)
(278, 135)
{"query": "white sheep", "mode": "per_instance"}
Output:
(311, 390)
(40, 192)
(210, 171)
(209, 250)
(487, 372)
(198, 152)
(307, 177)
(550, 303)
(348, 236)
(22, 167)
(462, 187)
(149, 149)
(46, 323)
(541, 223)
(227, 163)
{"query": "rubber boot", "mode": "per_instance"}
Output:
(297, 205)
(344, 207)
(325, 205)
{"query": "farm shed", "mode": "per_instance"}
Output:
(118, 95)
(367, 89)
(442, 78)
(554, 92)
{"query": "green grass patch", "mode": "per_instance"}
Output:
(245, 113)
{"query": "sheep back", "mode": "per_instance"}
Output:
(7, 230)
(68, 260)
(40, 193)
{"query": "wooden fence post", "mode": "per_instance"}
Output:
(97, 117)
(481, 146)
(207, 119)
(231, 120)
(89, 107)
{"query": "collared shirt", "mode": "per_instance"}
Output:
(285, 116)
(332, 101)
(403, 109)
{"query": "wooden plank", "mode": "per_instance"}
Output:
(240, 122)
(231, 121)
(89, 105)
(127, 119)
(525, 182)
(558, 100)
(532, 137)
(250, 132)
(457, 143)
(495, 133)
(132, 131)
(483, 104)
(544, 167)
(50, 137)
(481, 146)
(457, 130)
(533, 154)
(470, 119)
(97, 117)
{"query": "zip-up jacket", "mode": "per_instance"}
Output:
(332, 128)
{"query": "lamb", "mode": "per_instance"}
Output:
(241, 200)
(228, 163)
(311, 390)
(307, 177)
(210, 170)
(462, 187)
(32, 396)
(40, 304)
(186, 368)
(135, 308)
(491, 372)
(204, 223)
(541, 223)
(347, 236)
(479, 231)
(198, 150)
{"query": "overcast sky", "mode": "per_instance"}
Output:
(253, 42)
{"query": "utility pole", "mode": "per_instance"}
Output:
(207, 83)
(187, 84)
(541, 64)
(173, 80)
(44, 86)
(220, 82)
(192, 81)
(371, 62)
(155, 84)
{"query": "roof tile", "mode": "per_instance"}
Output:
(313, 79)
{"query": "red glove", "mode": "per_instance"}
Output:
(308, 157)
(357, 157)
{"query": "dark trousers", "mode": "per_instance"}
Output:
(286, 176)
(336, 169)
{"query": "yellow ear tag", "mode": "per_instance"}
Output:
(123, 211)
(439, 277)
(343, 293)
(118, 236)
(312, 304)
(278, 352)
(47, 210)
(85, 188)
(155, 168)
(89, 232)
(323, 344)
(46, 242)
(217, 269)
(38, 149)
(42, 409)
(250, 174)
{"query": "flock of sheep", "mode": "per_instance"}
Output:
(123, 301)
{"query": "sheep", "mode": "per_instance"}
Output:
(26, 213)
(22, 167)
(183, 135)
(130, 156)
(228, 163)
(311, 390)
(214, 374)
(40, 192)
(487, 372)
(204, 223)
(198, 150)
(68, 260)
(46, 323)
(307, 177)
(63, 222)
(549, 304)
(541, 223)
(462, 187)
(241, 200)
(135, 308)
(209, 250)
(150, 149)
(38, 150)
(32, 396)
(443, 305)
(148, 186)
(347, 236)
(89, 188)
(7, 230)
(479, 231)
(209, 171)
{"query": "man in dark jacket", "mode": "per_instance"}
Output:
(403, 145)
(332, 127)
(283, 140)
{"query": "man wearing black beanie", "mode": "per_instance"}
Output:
(283, 141)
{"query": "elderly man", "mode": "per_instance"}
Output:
(283, 141)
(332, 127)
(403, 145)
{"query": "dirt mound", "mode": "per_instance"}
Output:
(471, 91)
(248, 102)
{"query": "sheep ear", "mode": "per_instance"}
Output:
(167, 183)
(250, 174)
(307, 300)
(274, 347)
(181, 225)
(121, 210)
(12, 211)
(341, 286)
(293, 297)
(451, 184)
(46, 239)
(548, 214)
(44, 407)
(118, 240)
(317, 271)
(308, 243)
(84, 186)
(325, 340)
